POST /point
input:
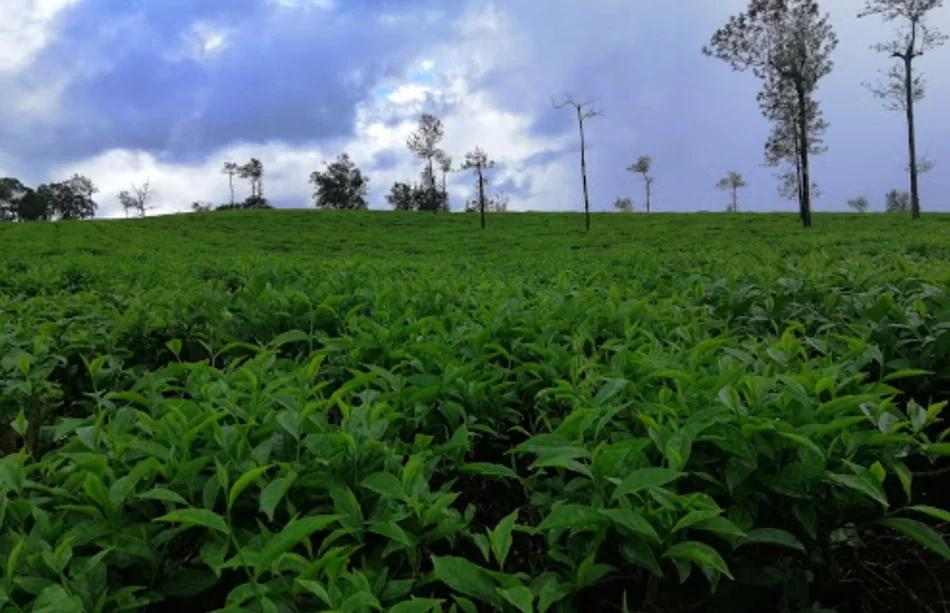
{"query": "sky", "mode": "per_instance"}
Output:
(168, 90)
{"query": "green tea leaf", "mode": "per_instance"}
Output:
(291, 336)
(500, 538)
(55, 599)
(393, 531)
(700, 553)
(772, 536)
(465, 578)
(906, 374)
(290, 537)
(418, 605)
(244, 481)
(520, 597)
(196, 517)
(489, 470)
(385, 484)
(645, 478)
(721, 526)
(867, 485)
(566, 515)
(694, 517)
(274, 492)
(164, 495)
(919, 532)
(938, 514)
(634, 522)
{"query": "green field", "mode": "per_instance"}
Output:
(296, 411)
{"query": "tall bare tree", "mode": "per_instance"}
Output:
(137, 199)
(445, 165)
(733, 181)
(424, 144)
(582, 116)
(231, 169)
(644, 166)
(253, 171)
(902, 87)
(788, 45)
(478, 161)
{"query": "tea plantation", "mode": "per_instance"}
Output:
(293, 411)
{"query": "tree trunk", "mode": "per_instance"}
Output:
(648, 192)
(805, 204)
(481, 196)
(735, 199)
(911, 136)
(580, 123)
(231, 185)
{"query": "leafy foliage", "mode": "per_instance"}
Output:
(402, 416)
(859, 204)
(340, 186)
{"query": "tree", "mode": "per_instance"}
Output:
(582, 116)
(788, 45)
(400, 197)
(902, 87)
(137, 200)
(478, 161)
(859, 204)
(341, 186)
(897, 202)
(445, 165)
(624, 205)
(36, 205)
(424, 143)
(12, 192)
(734, 181)
(642, 166)
(253, 171)
(782, 146)
(231, 169)
(70, 199)
(201, 207)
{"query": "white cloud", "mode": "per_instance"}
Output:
(303, 4)
(472, 119)
(202, 42)
(26, 28)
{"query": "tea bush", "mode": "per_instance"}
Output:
(289, 411)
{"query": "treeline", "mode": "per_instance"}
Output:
(69, 199)
(343, 186)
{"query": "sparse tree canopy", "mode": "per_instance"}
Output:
(733, 182)
(231, 169)
(201, 207)
(897, 202)
(253, 171)
(478, 161)
(902, 87)
(12, 192)
(424, 142)
(643, 166)
(788, 45)
(624, 205)
(341, 186)
(584, 112)
(137, 199)
(859, 204)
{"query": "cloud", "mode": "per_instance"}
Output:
(27, 27)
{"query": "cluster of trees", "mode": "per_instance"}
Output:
(787, 45)
(895, 201)
(343, 186)
(69, 199)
